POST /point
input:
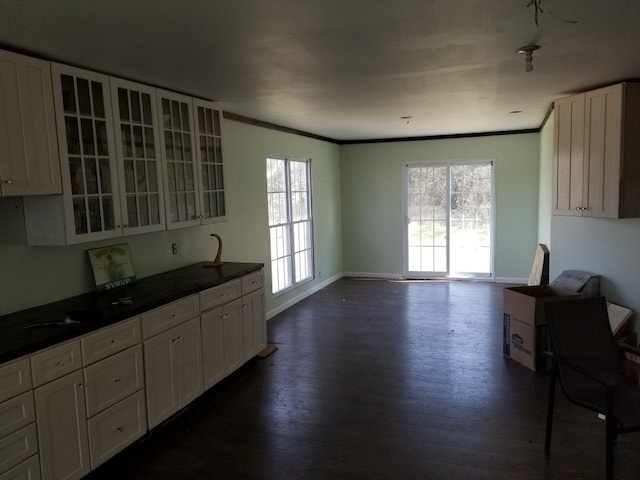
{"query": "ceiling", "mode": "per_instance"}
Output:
(346, 69)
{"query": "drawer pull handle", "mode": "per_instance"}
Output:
(59, 363)
(254, 282)
(226, 315)
(245, 305)
(113, 342)
(178, 339)
(223, 294)
(117, 380)
(175, 315)
(81, 385)
(120, 429)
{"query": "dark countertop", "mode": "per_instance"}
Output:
(99, 309)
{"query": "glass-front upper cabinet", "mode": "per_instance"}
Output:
(209, 152)
(177, 145)
(87, 156)
(138, 156)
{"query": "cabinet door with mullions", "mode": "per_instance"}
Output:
(138, 151)
(179, 161)
(209, 151)
(85, 132)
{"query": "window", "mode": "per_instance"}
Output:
(290, 222)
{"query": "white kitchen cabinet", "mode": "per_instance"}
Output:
(17, 447)
(18, 438)
(114, 394)
(62, 428)
(210, 161)
(180, 164)
(232, 336)
(233, 325)
(213, 368)
(113, 379)
(568, 171)
(15, 378)
(89, 208)
(253, 321)
(27, 470)
(29, 161)
(173, 370)
(596, 169)
(138, 156)
(117, 427)
(222, 342)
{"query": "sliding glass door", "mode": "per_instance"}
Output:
(449, 220)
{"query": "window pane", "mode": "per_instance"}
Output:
(289, 214)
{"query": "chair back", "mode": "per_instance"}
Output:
(580, 333)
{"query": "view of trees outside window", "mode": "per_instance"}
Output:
(449, 209)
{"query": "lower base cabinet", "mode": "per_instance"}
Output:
(254, 328)
(62, 428)
(67, 409)
(27, 470)
(117, 427)
(173, 370)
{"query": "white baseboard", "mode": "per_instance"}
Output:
(519, 281)
(302, 296)
(388, 276)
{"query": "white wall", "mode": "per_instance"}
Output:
(372, 193)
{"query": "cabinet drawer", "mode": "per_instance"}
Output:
(27, 470)
(113, 379)
(16, 413)
(216, 296)
(18, 446)
(15, 378)
(170, 315)
(110, 340)
(115, 428)
(55, 362)
(252, 282)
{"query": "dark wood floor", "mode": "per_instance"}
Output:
(380, 380)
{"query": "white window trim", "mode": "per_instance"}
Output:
(289, 223)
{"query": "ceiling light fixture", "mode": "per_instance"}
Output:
(527, 51)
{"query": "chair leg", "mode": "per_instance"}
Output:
(610, 434)
(550, 403)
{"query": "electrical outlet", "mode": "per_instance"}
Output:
(174, 248)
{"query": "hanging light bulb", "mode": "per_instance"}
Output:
(527, 51)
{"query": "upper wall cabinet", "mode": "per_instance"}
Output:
(89, 209)
(179, 159)
(29, 163)
(209, 154)
(191, 145)
(134, 159)
(138, 157)
(597, 153)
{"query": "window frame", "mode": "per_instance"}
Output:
(290, 253)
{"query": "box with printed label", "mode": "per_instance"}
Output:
(524, 333)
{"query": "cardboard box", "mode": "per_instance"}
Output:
(524, 333)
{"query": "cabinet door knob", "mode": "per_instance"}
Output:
(8, 181)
